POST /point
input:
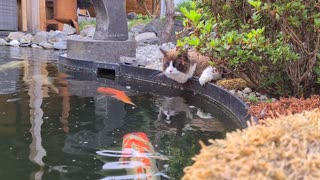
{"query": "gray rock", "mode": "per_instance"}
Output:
(46, 45)
(88, 31)
(145, 36)
(26, 39)
(132, 16)
(128, 60)
(56, 36)
(247, 90)
(154, 26)
(15, 36)
(263, 97)
(14, 43)
(40, 37)
(35, 46)
(61, 45)
(68, 29)
(75, 37)
(3, 42)
(232, 91)
(137, 29)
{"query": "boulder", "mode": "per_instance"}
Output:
(35, 46)
(88, 31)
(26, 39)
(14, 43)
(145, 36)
(40, 37)
(46, 45)
(61, 45)
(56, 36)
(3, 42)
(132, 15)
(15, 36)
(69, 29)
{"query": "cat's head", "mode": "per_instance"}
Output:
(175, 62)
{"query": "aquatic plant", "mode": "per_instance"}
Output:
(284, 148)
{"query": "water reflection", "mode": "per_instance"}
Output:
(36, 93)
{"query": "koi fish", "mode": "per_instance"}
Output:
(120, 95)
(138, 157)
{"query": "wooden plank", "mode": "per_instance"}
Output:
(24, 19)
(43, 16)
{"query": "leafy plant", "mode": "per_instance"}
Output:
(82, 24)
(184, 4)
(273, 45)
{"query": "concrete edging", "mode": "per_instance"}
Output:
(232, 103)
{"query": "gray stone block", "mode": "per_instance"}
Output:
(101, 51)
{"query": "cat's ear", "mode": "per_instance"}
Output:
(164, 52)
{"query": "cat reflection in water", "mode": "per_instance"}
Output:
(182, 65)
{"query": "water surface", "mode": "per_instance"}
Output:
(53, 123)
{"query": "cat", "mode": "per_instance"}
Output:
(181, 66)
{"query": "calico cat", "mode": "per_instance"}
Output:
(180, 66)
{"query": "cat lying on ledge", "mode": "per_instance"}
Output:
(180, 66)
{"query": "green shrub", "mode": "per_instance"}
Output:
(273, 45)
(184, 4)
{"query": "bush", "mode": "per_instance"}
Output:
(184, 4)
(273, 45)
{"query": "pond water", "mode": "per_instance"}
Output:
(55, 125)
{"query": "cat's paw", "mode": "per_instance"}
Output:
(204, 79)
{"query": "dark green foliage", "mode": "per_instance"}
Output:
(271, 44)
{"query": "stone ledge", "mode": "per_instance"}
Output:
(96, 50)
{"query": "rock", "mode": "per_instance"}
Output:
(88, 31)
(35, 46)
(14, 43)
(3, 42)
(40, 37)
(56, 36)
(15, 36)
(137, 29)
(61, 45)
(154, 26)
(26, 39)
(75, 37)
(129, 60)
(68, 29)
(232, 91)
(145, 36)
(46, 45)
(247, 90)
(157, 25)
(132, 15)
(263, 97)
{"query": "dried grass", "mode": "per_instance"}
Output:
(284, 148)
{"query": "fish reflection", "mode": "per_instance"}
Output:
(137, 157)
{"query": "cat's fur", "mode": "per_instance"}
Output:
(180, 66)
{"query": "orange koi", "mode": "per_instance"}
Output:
(120, 95)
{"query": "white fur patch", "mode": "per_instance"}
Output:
(208, 75)
(172, 73)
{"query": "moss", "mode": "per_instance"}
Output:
(236, 83)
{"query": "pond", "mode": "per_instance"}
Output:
(54, 124)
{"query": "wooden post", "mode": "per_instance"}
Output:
(33, 16)
(24, 19)
(43, 18)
